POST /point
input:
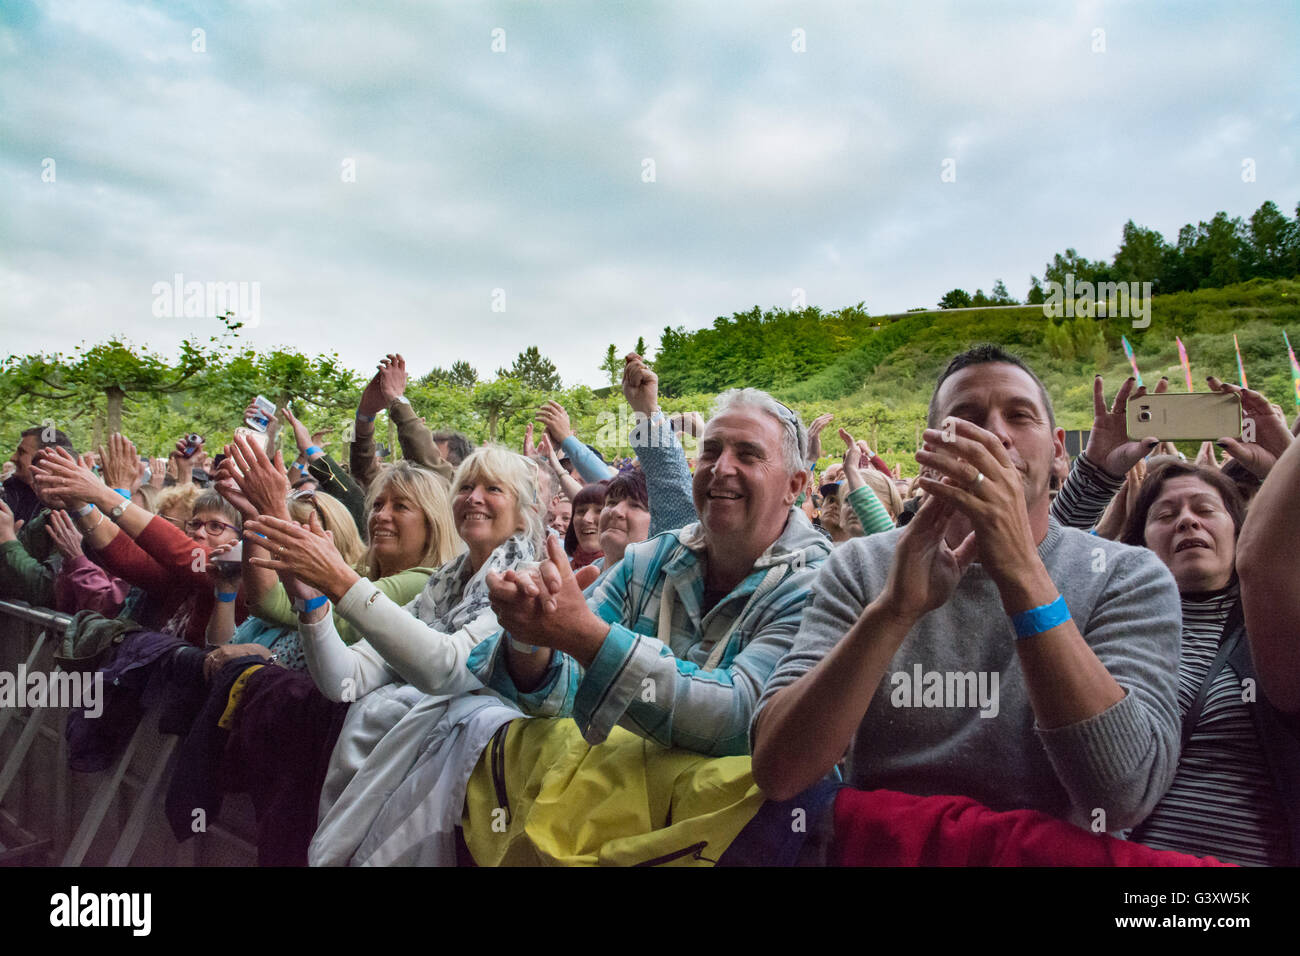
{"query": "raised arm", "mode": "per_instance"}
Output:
(374, 399)
(1270, 581)
(667, 475)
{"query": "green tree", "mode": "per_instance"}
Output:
(1140, 256)
(1036, 295)
(640, 346)
(956, 299)
(1000, 294)
(495, 401)
(613, 365)
(534, 370)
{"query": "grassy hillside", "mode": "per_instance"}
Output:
(884, 384)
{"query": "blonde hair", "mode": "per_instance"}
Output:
(335, 519)
(146, 496)
(178, 498)
(884, 490)
(427, 492)
(518, 475)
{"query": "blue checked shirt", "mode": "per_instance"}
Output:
(663, 691)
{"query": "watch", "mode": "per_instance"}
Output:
(118, 510)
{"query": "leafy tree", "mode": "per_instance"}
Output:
(1036, 295)
(640, 346)
(108, 375)
(1000, 294)
(534, 370)
(500, 399)
(956, 299)
(1074, 264)
(1274, 242)
(1140, 256)
(613, 365)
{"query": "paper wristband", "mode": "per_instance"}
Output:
(227, 598)
(1039, 619)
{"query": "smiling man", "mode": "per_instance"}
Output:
(677, 641)
(984, 650)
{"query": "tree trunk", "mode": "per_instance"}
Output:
(492, 425)
(115, 399)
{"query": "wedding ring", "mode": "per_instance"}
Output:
(979, 478)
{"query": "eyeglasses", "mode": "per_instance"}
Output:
(211, 526)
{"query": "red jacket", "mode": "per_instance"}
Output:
(886, 828)
(162, 561)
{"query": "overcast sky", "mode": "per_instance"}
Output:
(225, 156)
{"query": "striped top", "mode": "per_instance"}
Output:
(1223, 802)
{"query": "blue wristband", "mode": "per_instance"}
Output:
(1039, 619)
(306, 607)
(365, 418)
(227, 598)
(313, 449)
(124, 493)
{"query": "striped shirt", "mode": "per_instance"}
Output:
(1223, 801)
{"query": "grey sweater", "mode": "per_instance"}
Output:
(924, 734)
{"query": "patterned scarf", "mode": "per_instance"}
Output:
(456, 595)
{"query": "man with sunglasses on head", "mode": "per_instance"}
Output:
(676, 642)
(984, 650)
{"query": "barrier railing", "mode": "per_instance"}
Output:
(116, 813)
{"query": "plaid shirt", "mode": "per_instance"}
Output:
(663, 691)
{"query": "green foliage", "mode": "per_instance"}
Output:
(534, 370)
(770, 349)
(613, 365)
(956, 299)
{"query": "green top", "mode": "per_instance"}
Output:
(870, 511)
(401, 588)
(24, 570)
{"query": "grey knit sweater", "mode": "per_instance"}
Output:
(924, 733)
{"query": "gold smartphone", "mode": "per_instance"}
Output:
(1185, 417)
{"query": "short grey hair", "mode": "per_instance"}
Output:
(794, 436)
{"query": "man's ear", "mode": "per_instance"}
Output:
(1058, 449)
(799, 484)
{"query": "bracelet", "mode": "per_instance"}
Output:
(365, 418)
(522, 647)
(124, 493)
(311, 604)
(1039, 619)
(84, 511)
(314, 449)
(227, 598)
(86, 531)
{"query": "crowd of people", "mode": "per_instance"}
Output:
(491, 655)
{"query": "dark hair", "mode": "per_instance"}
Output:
(38, 432)
(981, 355)
(1248, 483)
(628, 484)
(1135, 529)
(589, 495)
(459, 446)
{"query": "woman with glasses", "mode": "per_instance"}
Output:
(166, 562)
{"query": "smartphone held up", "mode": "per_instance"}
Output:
(1191, 417)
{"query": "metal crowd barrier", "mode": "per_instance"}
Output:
(52, 815)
